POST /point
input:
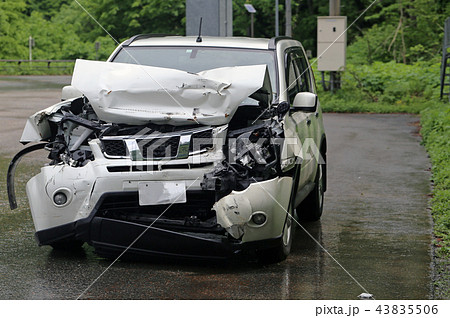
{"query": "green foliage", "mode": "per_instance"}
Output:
(12, 29)
(392, 30)
(384, 88)
(435, 130)
(401, 30)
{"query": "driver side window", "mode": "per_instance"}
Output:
(291, 78)
(297, 74)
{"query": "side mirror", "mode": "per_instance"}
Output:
(305, 101)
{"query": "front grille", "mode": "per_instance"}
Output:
(201, 141)
(193, 215)
(115, 148)
(166, 147)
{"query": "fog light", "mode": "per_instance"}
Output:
(60, 198)
(259, 218)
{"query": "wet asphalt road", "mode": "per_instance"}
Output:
(375, 225)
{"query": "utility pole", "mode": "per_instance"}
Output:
(288, 31)
(277, 29)
(334, 10)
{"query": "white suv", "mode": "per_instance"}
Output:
(181, 146)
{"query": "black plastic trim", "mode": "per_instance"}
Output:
(273, 41)
(144, 36)
(111, 237)
(12, 170)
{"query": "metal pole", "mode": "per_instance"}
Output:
(335, 10)
(252, 33)
(277, 29)
(97, 47)
(288, 18)
(335, 7)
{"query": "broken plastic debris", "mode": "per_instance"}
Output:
(365, 296)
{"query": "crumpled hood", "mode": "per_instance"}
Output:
(136, 94)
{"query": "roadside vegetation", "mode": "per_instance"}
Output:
(384, 87)
(393, 60)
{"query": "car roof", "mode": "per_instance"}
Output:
(207, 41)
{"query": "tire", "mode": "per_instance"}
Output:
(280, 252)
(311, 207)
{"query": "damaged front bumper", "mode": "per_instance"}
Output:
(102, 208)
(111, 237)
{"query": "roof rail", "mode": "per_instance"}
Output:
(273, 41)
(144, 36)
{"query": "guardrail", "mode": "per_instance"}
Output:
(43, 66)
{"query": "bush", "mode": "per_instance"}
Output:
(383, 88)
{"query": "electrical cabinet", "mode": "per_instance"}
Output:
(331, 43)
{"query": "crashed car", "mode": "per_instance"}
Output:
(181, 146)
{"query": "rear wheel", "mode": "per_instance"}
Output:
(312, 206)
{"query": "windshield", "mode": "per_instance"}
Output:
(197, 59)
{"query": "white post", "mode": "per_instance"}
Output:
(30, 44)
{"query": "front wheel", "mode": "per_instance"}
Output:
(312, 206)
(282, 250)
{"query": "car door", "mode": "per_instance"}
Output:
(298, 122)
(311, 146)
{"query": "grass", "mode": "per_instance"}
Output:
(340, 104)
(435, 123)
